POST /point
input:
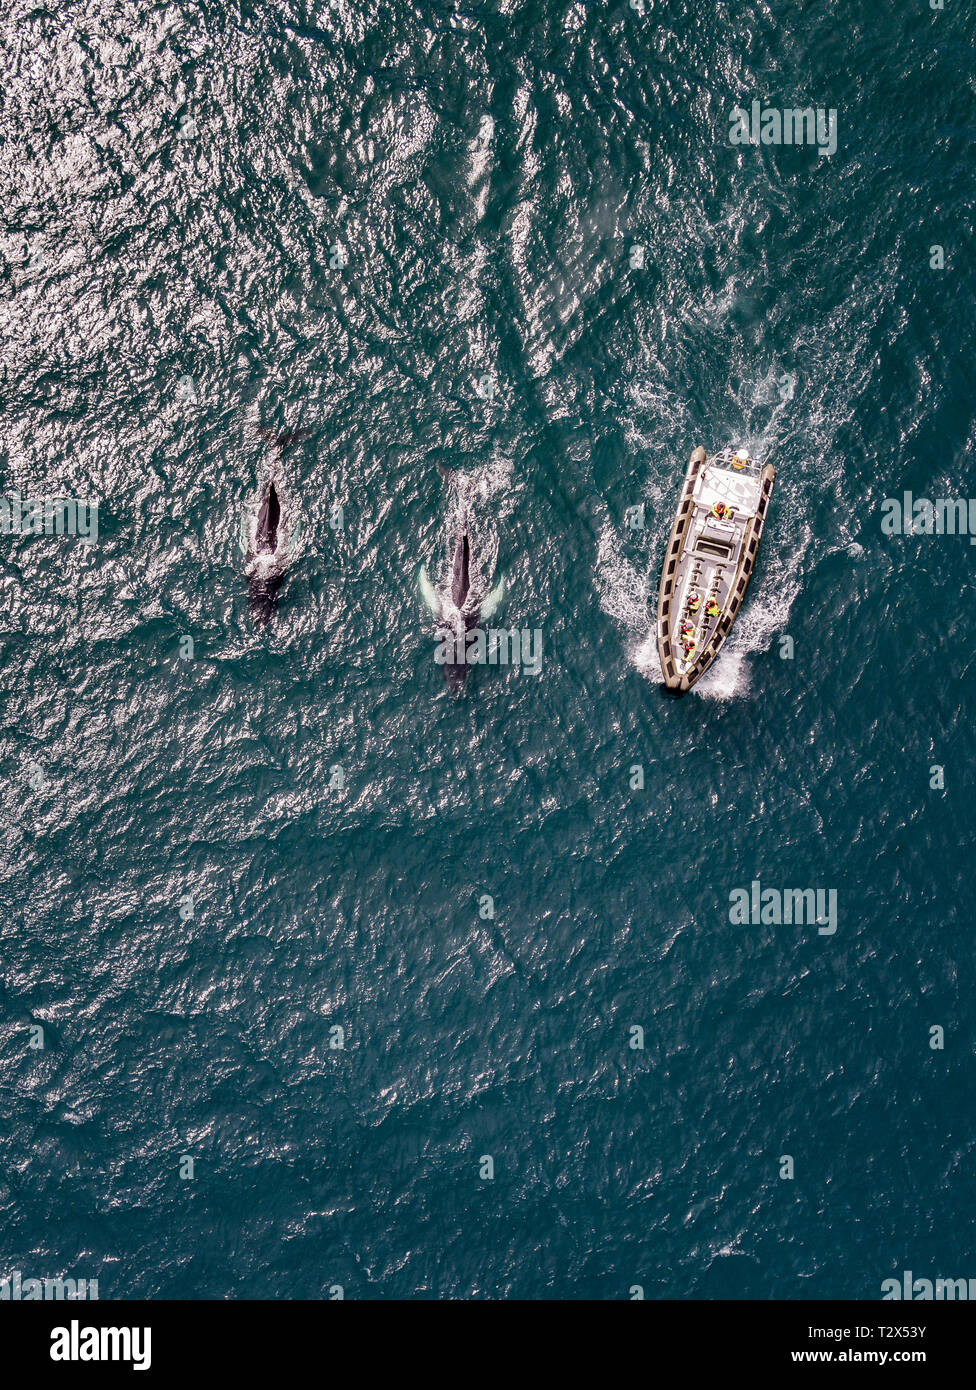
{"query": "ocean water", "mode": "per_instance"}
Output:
(246, 873)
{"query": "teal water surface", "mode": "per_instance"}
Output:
(246, 876)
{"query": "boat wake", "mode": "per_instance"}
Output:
(629, 596)
(627, 584)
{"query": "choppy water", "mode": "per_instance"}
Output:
(176, 181)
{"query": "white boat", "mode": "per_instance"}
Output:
(709, 560)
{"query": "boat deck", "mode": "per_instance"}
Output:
(709, 561)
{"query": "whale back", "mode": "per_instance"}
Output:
(262, 597)
(268, 519)
(470, 540)
(461, 575)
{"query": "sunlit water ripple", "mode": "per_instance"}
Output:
(408, 232)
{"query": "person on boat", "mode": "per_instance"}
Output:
(694, 603)
(690, 648)
(741, 458)
(687, 628)
(711, 608)
(723, 512)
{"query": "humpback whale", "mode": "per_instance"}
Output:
(269, 533)
(463, 599)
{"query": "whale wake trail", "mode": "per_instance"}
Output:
(478, 501)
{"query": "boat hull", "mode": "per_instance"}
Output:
(709, 557)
